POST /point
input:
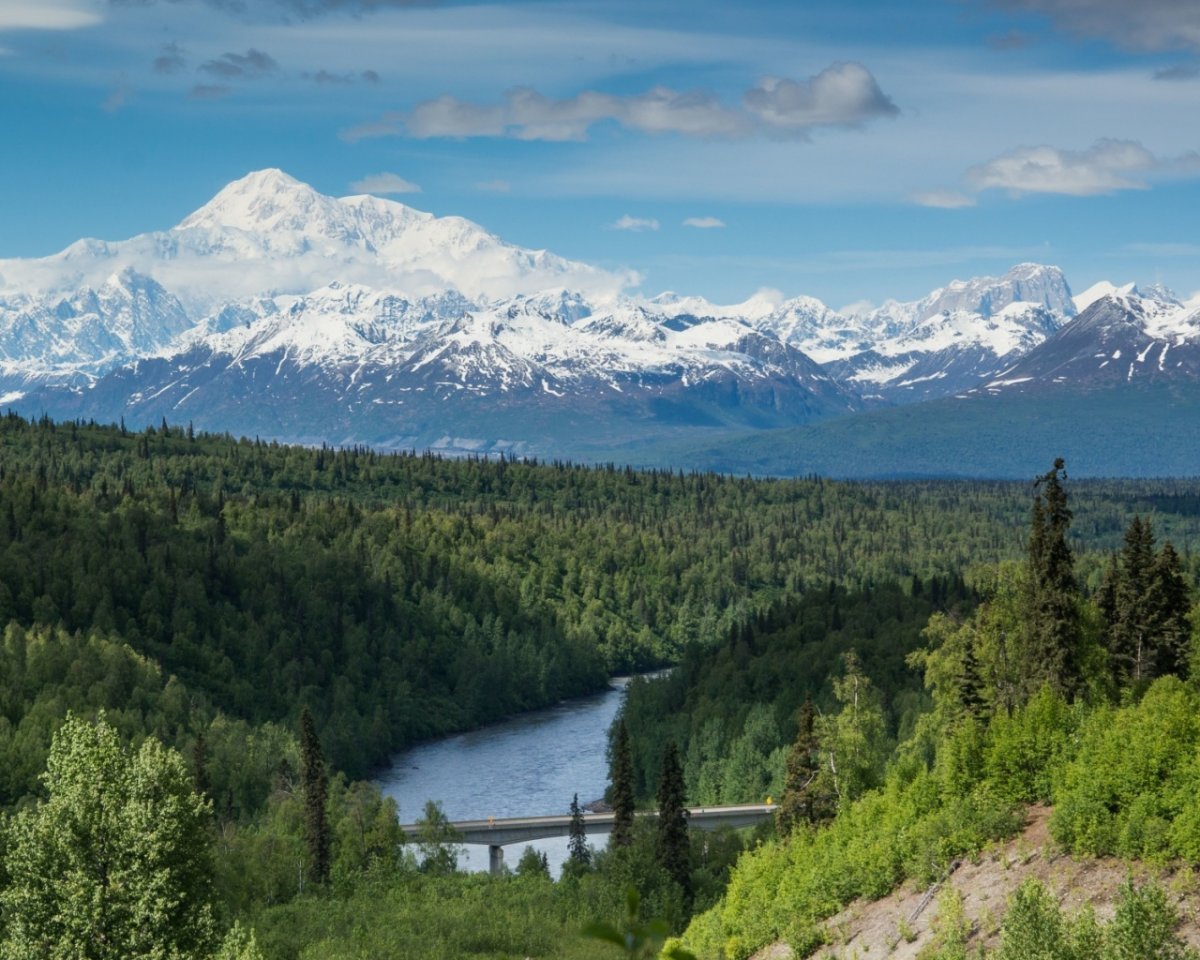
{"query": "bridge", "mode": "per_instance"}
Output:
(499, 833)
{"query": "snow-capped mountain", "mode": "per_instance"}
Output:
(75, 337)
(965, 331)
(347, 364)
(278, 311)
(1123, 336)
(268, 234)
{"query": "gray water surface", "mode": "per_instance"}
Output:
(530, 765)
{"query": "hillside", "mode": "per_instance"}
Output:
(906, 924)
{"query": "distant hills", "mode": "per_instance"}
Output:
(277, 311)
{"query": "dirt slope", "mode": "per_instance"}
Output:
(900, 925)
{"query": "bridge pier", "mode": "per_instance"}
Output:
(495, 859)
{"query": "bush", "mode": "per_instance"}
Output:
(1131, 790)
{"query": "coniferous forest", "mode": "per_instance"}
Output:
(232, 635)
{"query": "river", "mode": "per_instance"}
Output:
(532, 764)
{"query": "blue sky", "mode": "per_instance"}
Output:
(844, 150)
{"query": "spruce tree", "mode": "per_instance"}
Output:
(1131, 639)
(580, 855)
(315, 789)
(673, 848)
(1170, 605)
(622, 789)
(1052, 618)
(797, 805)
(969, 682)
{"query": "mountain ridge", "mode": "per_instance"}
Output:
(279, 311)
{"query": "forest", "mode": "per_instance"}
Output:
(177, 603)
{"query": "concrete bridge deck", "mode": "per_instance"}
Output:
(498, 833)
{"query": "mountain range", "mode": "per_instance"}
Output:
(278, 312)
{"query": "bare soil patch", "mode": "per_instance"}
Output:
(900, 925)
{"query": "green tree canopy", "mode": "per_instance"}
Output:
(115, 863)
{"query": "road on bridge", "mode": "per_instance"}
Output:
(499, 833)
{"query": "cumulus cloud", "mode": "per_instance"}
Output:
(943, 199)
(384, 183)
(636, 224)
(1105, 167)
(1140, 25)
(241, 66)
(46, 15)
(171, 59)
(842, 95)
(704, 223)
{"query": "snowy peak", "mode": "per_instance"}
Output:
(263, 200)
(1097, 291)
(1122, 337)
(268, 234)
(1154, 292)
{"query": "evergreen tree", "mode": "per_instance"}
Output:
(1170, 604)
(1053, 625)
(622, 789)
(1131, 638)
(673, 848)
(580, 854)
(315, 787)
(970, 684)
(1145, 601)
(797, 805)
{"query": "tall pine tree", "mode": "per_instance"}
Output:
(1053, 623)
(1131, 636)
(798, 806)
(579, 854)
(1171, 602)
(622, 789)
(315, 789)
(673, 848)
(1146, 600)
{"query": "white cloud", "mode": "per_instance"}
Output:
(384, 183)
(1105, 167)
(636, 224)
(844, 94)
(493, 186)
(841, 95)
(703, 223)
(46, 15)
(943, 199)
